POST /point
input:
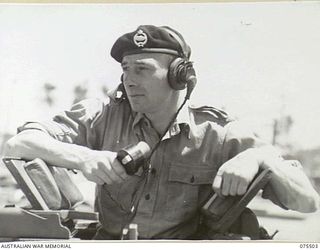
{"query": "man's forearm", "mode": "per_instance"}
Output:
(293, 189)
(290, 184)
(31, 144)
(97, 166)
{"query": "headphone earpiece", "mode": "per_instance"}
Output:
(175, 74)
(181, 74)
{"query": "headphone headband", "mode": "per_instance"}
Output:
(183, 45)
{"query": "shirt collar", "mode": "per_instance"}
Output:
(137, 118)
(181, 123)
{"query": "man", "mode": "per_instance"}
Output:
(195, 151)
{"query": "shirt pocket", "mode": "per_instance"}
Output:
(184, 183)
(108, 195)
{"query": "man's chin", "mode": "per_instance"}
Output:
(137, 108)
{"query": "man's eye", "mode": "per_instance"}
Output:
(140, 68)
(125, 69)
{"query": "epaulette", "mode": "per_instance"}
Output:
(217, 115)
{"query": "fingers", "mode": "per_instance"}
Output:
(113, 168)
(96, 180)
(226, 184)
(106, 169)
(242, 187)
(119, 169)
(101, 174)
(216, 185)
(233, 187)
(103, 167)
(230, 182)
(235, 175)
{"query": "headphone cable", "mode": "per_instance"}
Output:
(146, 168)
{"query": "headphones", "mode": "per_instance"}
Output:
(181, 73)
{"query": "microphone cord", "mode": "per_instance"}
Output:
(136, 196)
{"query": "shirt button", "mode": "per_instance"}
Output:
(147, 197)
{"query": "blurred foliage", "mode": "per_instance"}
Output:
(281, 132)
(80, 92)
(48, 92)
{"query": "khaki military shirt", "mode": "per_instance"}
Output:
(166, 202)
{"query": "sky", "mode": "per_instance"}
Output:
(259, 61)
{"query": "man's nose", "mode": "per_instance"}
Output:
(129, 80)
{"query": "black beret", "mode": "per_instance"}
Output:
(151, 39)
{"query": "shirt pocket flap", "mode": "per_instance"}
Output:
(192, 176)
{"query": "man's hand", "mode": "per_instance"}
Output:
(102, 167)
(234, 176)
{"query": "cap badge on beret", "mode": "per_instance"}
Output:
(140, 38)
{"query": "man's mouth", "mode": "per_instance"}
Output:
(136, 95)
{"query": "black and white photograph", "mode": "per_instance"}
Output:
(160, 122)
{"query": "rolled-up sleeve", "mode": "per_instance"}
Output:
(73, 126)
(239, 138)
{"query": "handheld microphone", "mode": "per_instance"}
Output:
(133, 157)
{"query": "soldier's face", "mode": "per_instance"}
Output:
(145, 81)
